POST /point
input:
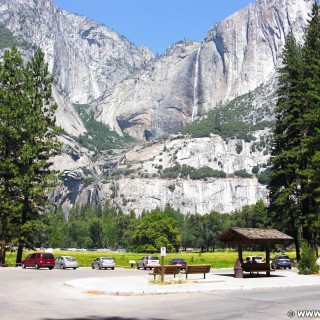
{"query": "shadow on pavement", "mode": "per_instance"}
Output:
(247, 275)
(102, 318)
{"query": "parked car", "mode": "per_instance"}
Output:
(103, 263)
(64, 262)
(318, 262)
(281, 261)
(254, 259)
(148, 262)
(178, 262)
(39, 260)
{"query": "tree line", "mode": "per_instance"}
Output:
(107, 227)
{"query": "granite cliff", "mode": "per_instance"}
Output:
(151, 98)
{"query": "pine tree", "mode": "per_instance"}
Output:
(11, 98)
(29, 108)
(294, 186)
(310, 142)
(284, 186)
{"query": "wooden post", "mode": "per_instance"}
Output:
(162, 268)
(268, 257)
(240, 253)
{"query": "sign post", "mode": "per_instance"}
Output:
(163, 253)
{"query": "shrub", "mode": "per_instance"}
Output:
(307, 263)
(242, 174)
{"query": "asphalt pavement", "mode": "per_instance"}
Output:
(141, 283)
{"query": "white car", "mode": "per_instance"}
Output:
(103, 263)
(148, 262)
(64, 262)
(252, 259)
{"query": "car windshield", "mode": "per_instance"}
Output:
(48, 256)
(284, 257)
(178, 260)
(153, 258)
(70, 258)
(106, 259)
(258, 258)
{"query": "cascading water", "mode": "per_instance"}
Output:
(195, 88)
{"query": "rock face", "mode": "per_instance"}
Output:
(133, 180)
(85, 58)
(237, 55)
(133, 92)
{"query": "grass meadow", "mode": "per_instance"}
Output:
(218, 259)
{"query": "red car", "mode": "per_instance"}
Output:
(39, 260)
(178, 262)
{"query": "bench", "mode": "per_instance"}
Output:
(193, 269)
(157, 270)
(257, 267)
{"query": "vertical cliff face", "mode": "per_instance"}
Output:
(148, 97)
(237, 56)
(86, 59)
(243, 51)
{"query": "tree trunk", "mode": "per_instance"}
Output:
(19, 254)
(2, 254)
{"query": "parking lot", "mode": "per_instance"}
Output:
(43, 294)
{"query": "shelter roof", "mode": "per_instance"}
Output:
(252, 236)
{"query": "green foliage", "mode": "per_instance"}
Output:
(185, 171)
(307, 263)
(28, 139)
(156, 230)
(6, 38)
(265, 176)
(99, 137)
(294, 185)
(242, 174)
(227, 121)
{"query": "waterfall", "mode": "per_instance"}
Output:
(195, 87)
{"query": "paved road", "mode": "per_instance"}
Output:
(41, 295)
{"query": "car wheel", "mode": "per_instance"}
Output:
(290, 267)
(150, 268)
(138, 267)
(92, 266)
(23, 266)
(100, 268)
(50, 268)
(144, 267)
(112, 268)
(74, 268)
(37, 266)
(61, 266)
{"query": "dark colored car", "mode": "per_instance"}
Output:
(39, 260)
(281, 261)
(178, 262)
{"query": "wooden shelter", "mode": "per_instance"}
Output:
(253, 236)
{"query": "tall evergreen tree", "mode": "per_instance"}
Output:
(31, 134)
(11, 100)
(284, 186)
(310, 143)
(294, 186)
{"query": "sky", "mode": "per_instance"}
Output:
(156, 23)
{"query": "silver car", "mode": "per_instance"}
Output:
(64, 262)
(103, 263)
(148, 262)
